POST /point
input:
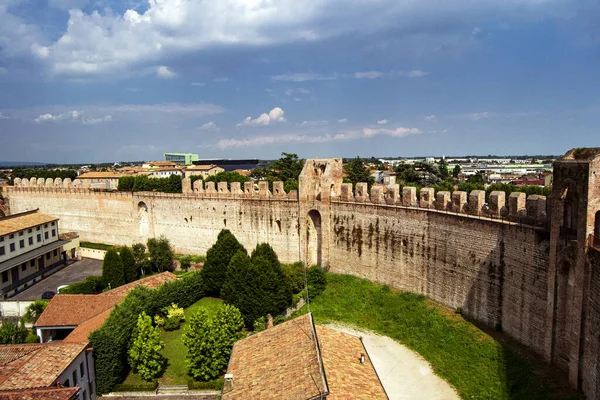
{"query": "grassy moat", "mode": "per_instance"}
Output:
(475, 363)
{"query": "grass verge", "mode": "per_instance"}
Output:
(473, 362)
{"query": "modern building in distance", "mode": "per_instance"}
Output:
(181, 158)
(30, 250)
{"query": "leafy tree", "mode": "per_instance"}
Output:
(34, 310)
(91, 285)
(144, 353)
(240, 290)
(443, 169)
(357, 172)
(126, 183)
(161, 255)
(11, 333)
(129, 267)
(112, 269)
(316, 281)
(140, 257)
(217, 260)
(227, 176)
(289, 166)
(456, 171)
(209, 341)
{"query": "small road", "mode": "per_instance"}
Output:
(75, 272)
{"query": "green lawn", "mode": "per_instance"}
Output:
(175, 351)
(477, 365)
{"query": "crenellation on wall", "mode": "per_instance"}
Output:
(476, 202)
(209, 189)
(361, 195)
(198, 187)
(223, 189)
(409, 196)
(346, 192)
(427, 198)
(497, 204)
(263, 190)
(377, 194)
(236, 189)
(442, 201)
(517, 202)
(249, 189)
(186, 186)
(392, 196)
(459, 202)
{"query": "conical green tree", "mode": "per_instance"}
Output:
(144, 353)
(217, 259)
(129, 266)
(240, 288)
(112, 269)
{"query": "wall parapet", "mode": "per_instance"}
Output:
(520, 208)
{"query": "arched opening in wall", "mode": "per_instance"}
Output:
(313, 239)
(144, 220)
(142, 206)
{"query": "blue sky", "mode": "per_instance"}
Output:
(93, 81)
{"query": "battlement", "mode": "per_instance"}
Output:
(199, 189)
(516, 208)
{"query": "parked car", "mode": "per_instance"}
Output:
(48, 295)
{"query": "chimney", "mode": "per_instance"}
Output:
(269, 321)
(362, 358)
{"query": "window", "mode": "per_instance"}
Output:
(84, 396)
(21, 233)
(11, 236)
(74, 378)
(21, 243)
(29, 230)
(12, 247)
(54, 223)
(53, 232)
(4, 276)
(45, 225)
(37, 228)
(2, 251)
(30, 241)
(24, 267)
(81, 370)
(47, 256)
(66, 383)
(45, 235)
(39, 237)
(32, 263)
(1, 238)
(55, 253)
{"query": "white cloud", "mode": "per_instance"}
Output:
(296, 138)
(314, 123)
(342, 120)
(382, 122)
(47, 117)
(301, 77)
(2, 116)
(480, 115)
(415, 73)
(94, 121)
(221, 80)
(368, 75)
(476, 31)
(197, 84)
(275, 115)
(430, 118)
(76, 114)
(209, 126)
(165, 73)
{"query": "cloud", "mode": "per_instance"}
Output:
(480, 115)
(209, 126)
(368, 75)
(297, 138)
(301, 77)
(314, 123)
(164, 72)
(221, 80)
(94, 121)
(415, 73)
(47, 117)
(382, 122)
(342, 120)
(197, 84)
(275, 115)
(430, 118)
(303, 90)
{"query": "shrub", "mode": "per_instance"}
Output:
(215, 384)
(172, 324)
(217, 260)
(91, 285)
(34, 310)
(10, 332)
(139, 387)
(32, 338)
(112, 269)
(129, 266)
(140, 257)
(210, 340)
(185, 262)
(316, 281)
(295, 274)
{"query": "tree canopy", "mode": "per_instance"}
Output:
(161, 255)
(112, 269)
(217, 259)
(358, 172)
(144, 354)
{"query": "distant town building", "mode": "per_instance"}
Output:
(100, 180)
(203, 170)
(181, 158)
(30, 249)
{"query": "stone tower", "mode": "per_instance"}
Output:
(572, 340)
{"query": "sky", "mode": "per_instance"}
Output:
(103, 80)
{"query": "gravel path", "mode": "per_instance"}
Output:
(404, 374)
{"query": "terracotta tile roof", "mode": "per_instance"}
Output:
(346, 376)
(279, 363)
(18, 222)
(35, 365)
(81, 333)
(74, 309)
(152, 282)
(100, 175)
(202, 167)
(40, 394)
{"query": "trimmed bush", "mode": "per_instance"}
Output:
(112, 269)
(129, 267)
(316, 281)
(91, 285)
(295, 274)
(215, 384)
(171, 324)
(32, 338)
(140, 387)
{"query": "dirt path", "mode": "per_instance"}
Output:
(404, 374)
